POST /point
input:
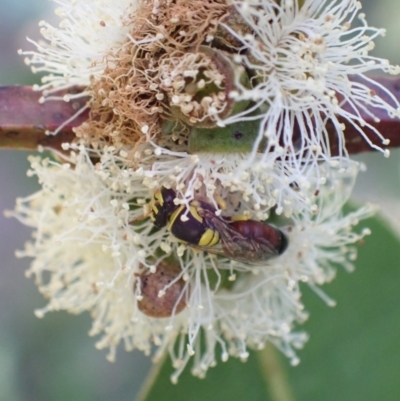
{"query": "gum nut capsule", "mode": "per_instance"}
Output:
(224, 76)
(172, 299)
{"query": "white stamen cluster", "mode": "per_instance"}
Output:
(258, 186)
(303, 59)
(76, 49)
(182, 78)
(88, 257)
(95, 245)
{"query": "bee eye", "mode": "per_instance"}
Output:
(237, 135)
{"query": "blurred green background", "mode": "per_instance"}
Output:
(52, 358)
(353, 353)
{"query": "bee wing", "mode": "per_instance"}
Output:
(234, 245)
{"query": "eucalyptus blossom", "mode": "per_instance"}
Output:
(235, 104)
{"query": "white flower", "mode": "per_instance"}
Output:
(89, 256)
(305, 69)
(310, 64)
(76, 49)
(259, 186)
(236, 109)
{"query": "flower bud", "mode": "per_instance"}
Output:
(203, 81)
(163, 292)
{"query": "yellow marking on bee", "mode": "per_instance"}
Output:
(195, 214)
(174, 216)
(209, 238)
(221, 202)
(158, 196)
(153, 204)
(240, 217)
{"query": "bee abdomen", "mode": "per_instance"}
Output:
(262, 232)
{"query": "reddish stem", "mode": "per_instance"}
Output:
(387, 126)
(24, 121)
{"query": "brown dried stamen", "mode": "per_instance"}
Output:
(130, 102)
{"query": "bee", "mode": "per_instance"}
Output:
(246, 241)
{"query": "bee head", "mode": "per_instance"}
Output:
(162, 206)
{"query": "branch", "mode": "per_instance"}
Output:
(387, 126)
(24, 121)
(274, 374)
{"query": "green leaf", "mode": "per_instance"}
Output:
(353, 351)
(232, 380)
